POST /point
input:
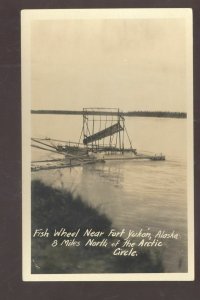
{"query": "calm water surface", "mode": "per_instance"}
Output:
(133, 194)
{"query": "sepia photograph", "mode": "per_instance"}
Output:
(107, 145)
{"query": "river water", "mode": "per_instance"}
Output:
(133, 194)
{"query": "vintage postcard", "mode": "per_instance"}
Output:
(107, 139)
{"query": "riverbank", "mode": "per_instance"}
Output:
(54, 208)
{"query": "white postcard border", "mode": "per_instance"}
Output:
(27, 16)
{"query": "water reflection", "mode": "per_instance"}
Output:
(134, 195)
(111, 173)
(138, 194)
(53, 208)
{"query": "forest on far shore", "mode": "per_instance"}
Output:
(142, 113)
(159, 114)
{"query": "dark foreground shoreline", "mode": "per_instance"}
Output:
(55, 208)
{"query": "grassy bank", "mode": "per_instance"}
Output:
(54, 209)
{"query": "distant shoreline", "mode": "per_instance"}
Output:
(157, 114)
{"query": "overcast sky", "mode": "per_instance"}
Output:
(131, 64)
